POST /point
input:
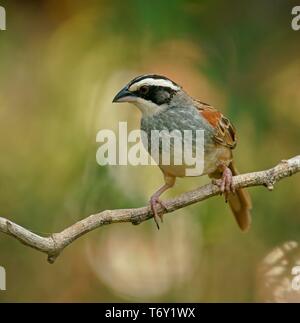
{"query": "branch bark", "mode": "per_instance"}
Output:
(54, 244)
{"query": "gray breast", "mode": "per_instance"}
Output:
(178, 119)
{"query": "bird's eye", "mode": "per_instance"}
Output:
(144, 89)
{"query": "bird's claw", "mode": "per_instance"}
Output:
(225, 183)
(153, 203)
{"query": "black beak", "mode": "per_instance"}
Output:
(124, 96)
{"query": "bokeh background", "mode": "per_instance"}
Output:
(61, 63)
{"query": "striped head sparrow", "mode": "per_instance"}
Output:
(166, 106)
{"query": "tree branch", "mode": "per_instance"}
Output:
(54, 244)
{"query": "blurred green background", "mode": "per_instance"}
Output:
(61, 63)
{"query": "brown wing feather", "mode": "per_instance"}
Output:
(224, 131)
(240, 202)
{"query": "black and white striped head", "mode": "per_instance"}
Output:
(150, 93)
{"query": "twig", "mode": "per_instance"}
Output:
(54, 244)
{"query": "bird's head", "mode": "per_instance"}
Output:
(150, 93)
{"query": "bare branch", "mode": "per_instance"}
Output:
(53, 245)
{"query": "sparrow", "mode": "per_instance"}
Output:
(166, 106)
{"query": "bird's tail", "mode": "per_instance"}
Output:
(240, 204)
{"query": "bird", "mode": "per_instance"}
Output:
(165, 105)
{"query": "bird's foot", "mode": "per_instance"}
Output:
(154, 201)
(225, 183)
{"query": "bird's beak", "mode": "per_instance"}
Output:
(124, 96)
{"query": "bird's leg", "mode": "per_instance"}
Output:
(154, 200)
(225, 183)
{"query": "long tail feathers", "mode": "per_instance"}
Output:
(240, 204)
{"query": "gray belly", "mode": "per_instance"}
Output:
(176, 121)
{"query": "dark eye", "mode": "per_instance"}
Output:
(144, 89)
